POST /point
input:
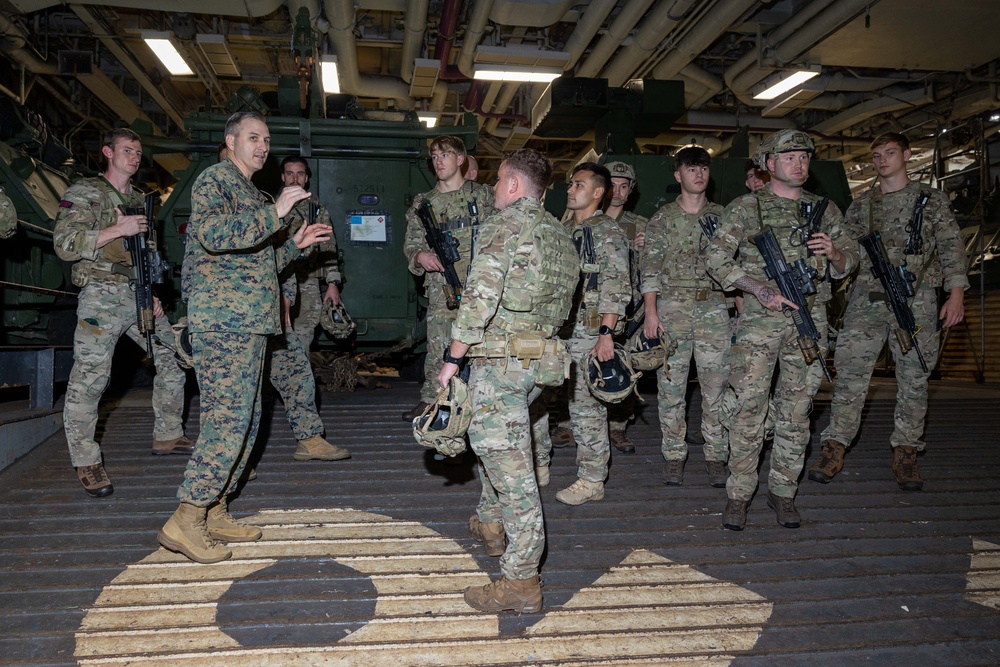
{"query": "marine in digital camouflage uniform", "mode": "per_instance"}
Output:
(599, 312)
(521, 283)
(89, 231)
(683, 300)
(319, 262)
(450, 199)
(869, 323)
(230, 281)
(767, 337)
(623, 186)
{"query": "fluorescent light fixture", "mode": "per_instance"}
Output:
(162, 44)
(510, 73)
(328, 72)
(782, 82)
(429, 119)
(218, 55)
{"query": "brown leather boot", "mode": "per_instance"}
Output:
(317, 448)
(490, 534)
(224, 528)
(415, 411)
(506, 595)
(561, 437)
(831, 461)
(784, 510)
(95, 481)
(186, 533)
(179, 445)
(735, 516)
(621, 442)
(904, 465)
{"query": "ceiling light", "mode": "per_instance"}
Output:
(429, 119)
(328, 71)
(782, 82)
(994, 117)
(512, 73)
(218, 55)
(162, 44)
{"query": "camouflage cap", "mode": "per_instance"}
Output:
(782, 141)
(621, 170)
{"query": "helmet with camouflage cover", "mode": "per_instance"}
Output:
(443, 424)
(613, 380)
(335, 320)
(648, 354)
(182, 343)
(621, 170)
(782, 141)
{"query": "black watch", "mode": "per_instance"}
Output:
(337, 283)
(605, 330)
(448, 359)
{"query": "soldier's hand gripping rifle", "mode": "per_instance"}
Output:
(796, 283)
(897, 282)
(813, 213)
(445, 246)
(148, 269)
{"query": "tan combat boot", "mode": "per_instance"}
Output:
(580, 492)
(904, 465)
(831, 461)
(186, 533)
(542, 475)
(317, 448)
(222, 526)
(490, 534)
(506, 595)
(179, 445)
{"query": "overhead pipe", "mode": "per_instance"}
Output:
(701, 36)
(617, 32)
(248, 8)
(447, 28)
(892, 101)
(588, 25)
(474, 31)
(414, 25)
(662, 19)
(713, 85)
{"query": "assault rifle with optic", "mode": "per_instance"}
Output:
(445, 246)
(148, 269)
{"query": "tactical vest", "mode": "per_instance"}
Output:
(684, 266)
(104, 268)
(452, 210)
(538, 290)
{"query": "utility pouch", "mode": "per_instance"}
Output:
(554, 366)
(116, 252)
(526, 347)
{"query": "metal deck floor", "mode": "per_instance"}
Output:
(363, 561)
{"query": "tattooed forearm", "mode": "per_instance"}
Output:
(769, 297)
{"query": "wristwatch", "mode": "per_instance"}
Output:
(605, 330)
(448, 359)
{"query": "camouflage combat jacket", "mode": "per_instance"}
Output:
(552, 259)
(452, 209)
(675, 249)
(632, 224)
(230, 275)
(320, 260)
(614, 289)
(942, 262)
(87, 207)
(732, 255)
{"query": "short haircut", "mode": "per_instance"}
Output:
(296, 159)
(750, 164)
(112, 137)
(533, 166)
(449, 142)
(601, 173)
(218, 151)
(692, 156)
(890, 138)
(234, 122)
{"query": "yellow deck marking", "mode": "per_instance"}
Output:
(983, 581)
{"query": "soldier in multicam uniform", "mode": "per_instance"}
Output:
(8, 216)
(767, 337)
(623, 184)
(600, 310)
(680, 298)
(940, 263)
(519, 292)
(450, 199)
(320, 263)
(90, 230)
(230, 280)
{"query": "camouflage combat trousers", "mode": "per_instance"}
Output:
(105, 311)
(309, 307)
(588, 417)
(702, 331)
(439, 320)
(229, 368)
(538, 411)
(292, 377)
(763, 342)
(500, 435)
(867, 326)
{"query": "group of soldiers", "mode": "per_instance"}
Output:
(704, 285)
(541, 297)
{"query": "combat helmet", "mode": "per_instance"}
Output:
(782, 141)
(336, 321)
(443, 424)
(621, 170)
(182, 343)
(648, 354)
(612, 380)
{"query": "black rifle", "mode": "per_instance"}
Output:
(148, 269)
(584, 242)
(796, 283)
(813, 214)
(897, 282)
(445, 246)
(635, 323)
(474, 216)
(915, 242)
